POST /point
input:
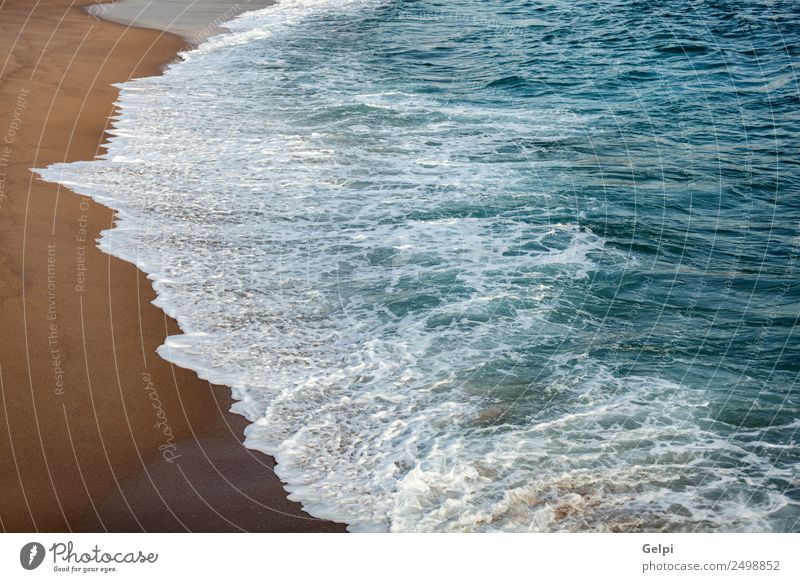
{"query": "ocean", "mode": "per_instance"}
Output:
(487, 265)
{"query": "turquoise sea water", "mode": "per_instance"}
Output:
(486, 265)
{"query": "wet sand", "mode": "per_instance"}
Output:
(96, 431)
(194, 20)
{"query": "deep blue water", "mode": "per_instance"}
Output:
(486, 265)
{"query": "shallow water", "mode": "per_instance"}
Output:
(486, 265)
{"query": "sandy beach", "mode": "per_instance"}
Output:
(98, 433)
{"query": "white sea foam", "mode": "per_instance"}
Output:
(351, 272)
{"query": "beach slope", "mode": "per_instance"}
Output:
(96, 431)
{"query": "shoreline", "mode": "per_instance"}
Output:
(101, 434)
(194, 20)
